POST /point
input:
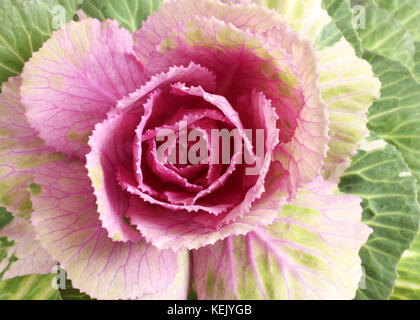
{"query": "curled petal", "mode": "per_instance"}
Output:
(110, 148)
(193, 75)
(177, 230)
(182, 229)
(159, 105)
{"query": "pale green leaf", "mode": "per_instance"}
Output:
(396, 116)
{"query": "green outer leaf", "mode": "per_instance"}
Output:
(25, 26)
(390, 209)
(396, 116)
(5, 218)
(340, 10)
(407, 12)
(407, 286)
(31, 287)
(5, 243)
(129, 13)
(70, 293)
(384, 33)
(389, 25)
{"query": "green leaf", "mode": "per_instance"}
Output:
(31, 287)
(25, 26)
(5, 243)
(396, 116)
(416, 68)
(383, 33)
(407, 286)
(382, 179)
(5, 218)
(407, 12)
(5, 263)
(340, 10)
(404, 133)
(193, 294)
(129, 13)
(70, 293)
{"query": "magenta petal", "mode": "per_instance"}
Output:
(182, 229)
(194, 119)
(273, 60)
(67, 224)
(175, 230)
(111, 148)
(241, 60)
(166, 174)
(193, 74)
(76, 78)
(143, 196)
(264, 117)
(158, 106)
